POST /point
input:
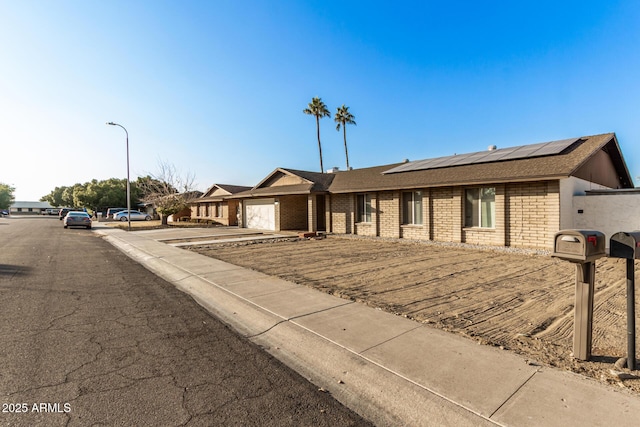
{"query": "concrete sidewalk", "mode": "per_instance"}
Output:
(391, 370)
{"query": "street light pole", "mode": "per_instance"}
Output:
(128, 179)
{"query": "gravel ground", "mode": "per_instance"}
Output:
(520, 300)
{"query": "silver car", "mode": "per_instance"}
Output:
(135, 216)
(77, 219)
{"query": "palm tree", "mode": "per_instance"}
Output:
(343, 117)
(319, 109)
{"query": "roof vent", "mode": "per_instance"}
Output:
(492, 148)
(333, 169)
(405, 161)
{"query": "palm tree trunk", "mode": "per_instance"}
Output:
(319, 145)
(346, 152)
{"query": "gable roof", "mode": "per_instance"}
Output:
(223, 190)
(233, 189)
(558, 165)
(301, 182)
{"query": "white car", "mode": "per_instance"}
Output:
(135, 216)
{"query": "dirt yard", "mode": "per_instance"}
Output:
(521, 302)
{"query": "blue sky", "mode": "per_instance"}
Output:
(217, 88)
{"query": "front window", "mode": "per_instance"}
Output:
(480, 207)
(412, 207)
(363, 208)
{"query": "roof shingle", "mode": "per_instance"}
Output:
(539, 168)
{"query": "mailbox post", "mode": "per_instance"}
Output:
(627, 246)
(581, 247)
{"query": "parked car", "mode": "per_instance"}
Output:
(135, 216)
(111, 212)
(64, 211)
(4, 212)
(77, 219)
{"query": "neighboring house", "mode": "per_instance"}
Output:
(287, 199)
(185, 214)
(213, 205)
(29, 208)
(517, 196)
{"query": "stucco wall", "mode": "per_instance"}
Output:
(609, 213)
(570, 187)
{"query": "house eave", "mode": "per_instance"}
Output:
(467, 183)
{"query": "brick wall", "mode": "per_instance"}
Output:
(389, 214)
(526, 215)
(208, 211)
(446, 214)
(293, 212)
(342, 213)
(532, 214)
(230, 212)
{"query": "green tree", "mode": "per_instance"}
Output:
(67, 197)
(318, 109)
(95, 194)
(55, 197)
(343, 118)
(112, 193)
(6, 196)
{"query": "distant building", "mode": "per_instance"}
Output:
(213, 206)
(29, 208)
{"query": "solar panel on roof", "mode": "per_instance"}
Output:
(554, 147)
(463, 159)
(441, 162)
(503, 154)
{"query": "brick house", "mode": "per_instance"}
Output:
(516, 196)
(287, 199)
(213, 205)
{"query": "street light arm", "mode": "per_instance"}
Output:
(116, 124)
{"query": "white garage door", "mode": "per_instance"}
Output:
(260, 214)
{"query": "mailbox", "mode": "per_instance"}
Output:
(625, 245)
(579, 245)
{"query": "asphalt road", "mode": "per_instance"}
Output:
(88, 337)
